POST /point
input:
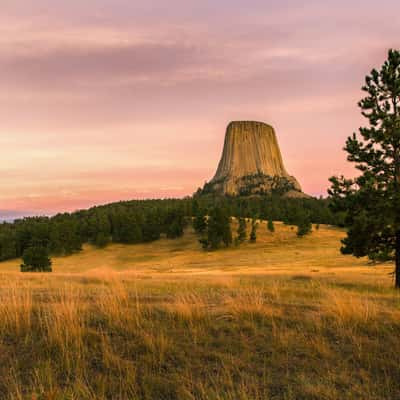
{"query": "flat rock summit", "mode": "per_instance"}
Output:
(251, 163)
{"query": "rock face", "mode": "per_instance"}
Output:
(251, 163)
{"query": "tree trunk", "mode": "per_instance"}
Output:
(397, 269)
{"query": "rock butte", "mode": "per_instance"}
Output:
(251, 163)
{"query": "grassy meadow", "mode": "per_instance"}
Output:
(285, 318)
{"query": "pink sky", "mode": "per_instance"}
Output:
(105, 100)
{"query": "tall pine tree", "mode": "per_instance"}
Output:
(270, 225)
(253, 232)
(372, 200)
(218, 229)
(241, 231)
(200, 222)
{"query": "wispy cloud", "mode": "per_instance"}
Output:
(97, 93)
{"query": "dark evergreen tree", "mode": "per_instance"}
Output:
(200, 223)
(271, 226)
(175, 229)
(125, 226)
(195, 208)
(304, 226)
(101, 239)
(372, 200)
(218, 229)
(241, 231)
(130, 231)
(175, 223)
(8, 242)
(136, 232)
(151, 228)
(64, 237)
(36, 259)
(253, 233)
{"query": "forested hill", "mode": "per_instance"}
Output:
(145, 220)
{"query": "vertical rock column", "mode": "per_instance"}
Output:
(250, 149)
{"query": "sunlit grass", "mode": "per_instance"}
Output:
(285, 318)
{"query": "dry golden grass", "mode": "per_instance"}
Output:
(278, 253)
(285, 318)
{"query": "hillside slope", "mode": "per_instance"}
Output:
(279, 253)
(282, 319)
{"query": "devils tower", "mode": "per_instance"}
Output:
(251, 163)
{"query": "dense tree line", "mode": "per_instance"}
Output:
(141, 221)
(277, 208)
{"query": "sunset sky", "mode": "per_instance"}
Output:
(103, 100)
